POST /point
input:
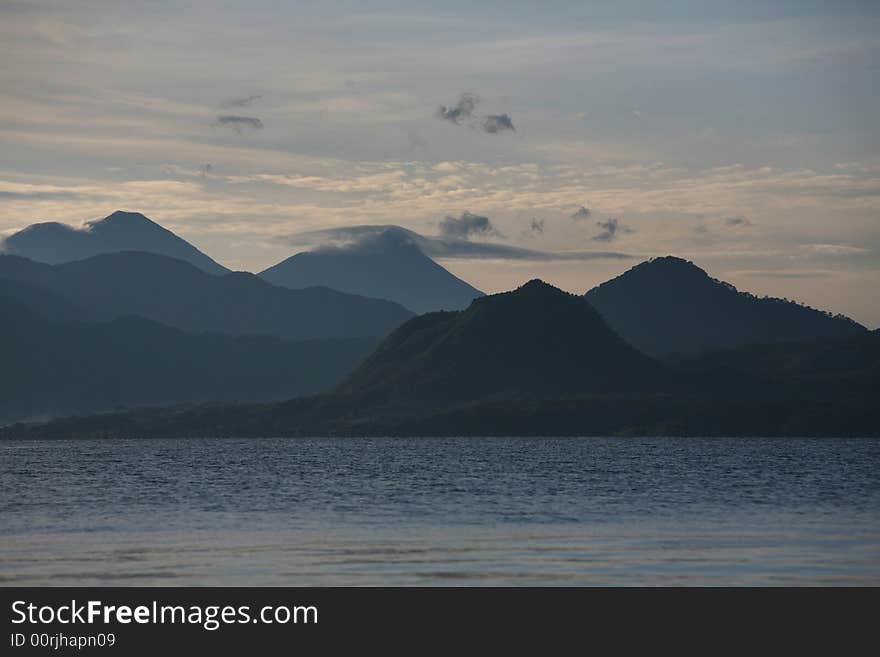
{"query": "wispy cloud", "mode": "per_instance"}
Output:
(349, 237)
(783, 274)
(610, 229)
(835, 249)
(467, 226)
(463, 109)
(582, 212)
(495, 123)
(239, 123)
(38, 195)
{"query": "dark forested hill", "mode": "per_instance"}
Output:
(670, 306)
(536, 341)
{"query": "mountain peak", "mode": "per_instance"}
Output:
(537, 285)
(384, 241)
(123, 216)
(669, 305)
(534, 341)
(56, 243)
(383, 262)
(671, 265)
(41, 228)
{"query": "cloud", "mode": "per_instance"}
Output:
(581, 213)
(495, 123)
(610, 229)
(239, 123)
(349, 237)
(463, 109)
(835, 249)
(738, 220)
(38, 195)
(466, 226)
(783, 274)
(239, 102)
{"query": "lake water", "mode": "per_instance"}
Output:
(452, 511)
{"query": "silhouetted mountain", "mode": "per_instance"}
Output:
(386, 265)
(540, 362)
(56, 243)
(178, 294)
(536, 341)
(63, 367)
(669, 306)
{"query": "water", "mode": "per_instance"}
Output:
(459, 511)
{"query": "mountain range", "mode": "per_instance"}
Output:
(661, 349)
(410, 385)
(177, 294)
(386, 265)
(56, 243)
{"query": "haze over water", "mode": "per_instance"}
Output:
(397, 511)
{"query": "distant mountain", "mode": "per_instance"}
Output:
(56, 243)
(178, 294)
(536, 341)
(55, 368)
(386, 265)
(668, 306)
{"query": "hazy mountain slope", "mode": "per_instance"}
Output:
(64, 367)
(387, 265)
(178, 294)
(39, 300)
(669, 305)
(55, 243)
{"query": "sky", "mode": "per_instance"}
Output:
(561, 140)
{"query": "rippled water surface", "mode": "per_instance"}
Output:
(440, 511)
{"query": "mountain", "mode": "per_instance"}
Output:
(176, 293)
(56, 243)
(668, 306)
(534, 342)
(69, 367)
(385, 265)
(540, 362)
